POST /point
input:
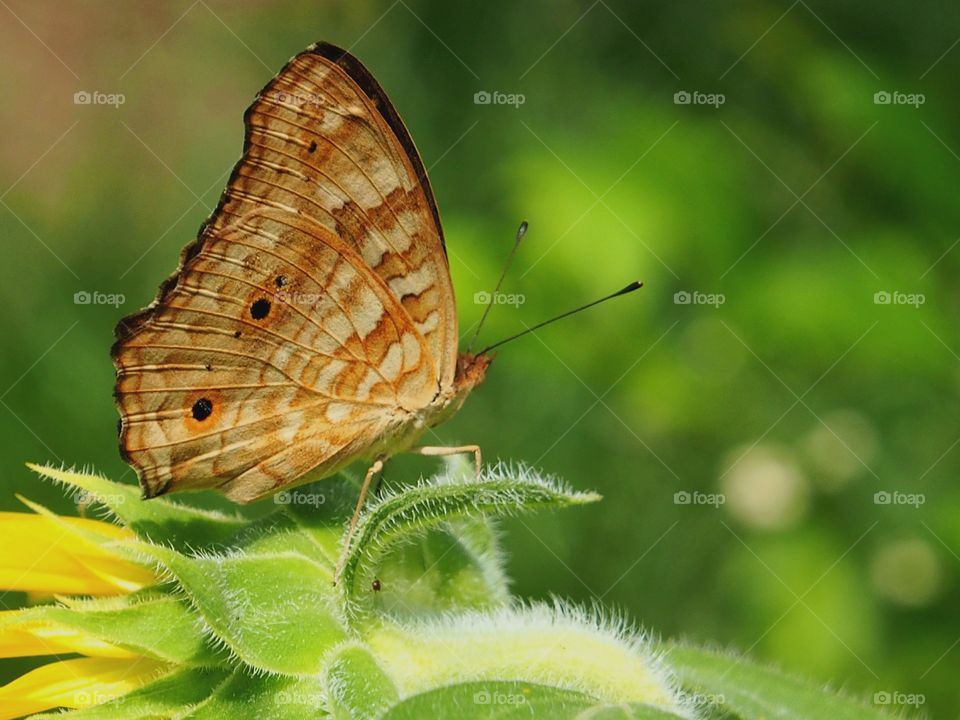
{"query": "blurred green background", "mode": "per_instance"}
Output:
(778, 402)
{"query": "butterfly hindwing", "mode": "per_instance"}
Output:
(319, 361)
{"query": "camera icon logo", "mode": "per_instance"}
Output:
(882, 97)
(482, 97)
(482, 697)
(681, 298)
(82, 97)
(82, 297)
(882, 498)
(682, 497)
(881, 298)
(682, 97)
(481, 297)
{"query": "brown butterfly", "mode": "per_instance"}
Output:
(313, 321)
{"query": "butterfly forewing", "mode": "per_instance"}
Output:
(315, 309)
(324, 141)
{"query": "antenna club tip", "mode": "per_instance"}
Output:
(522, 230)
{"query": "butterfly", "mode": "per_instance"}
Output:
(313, 321)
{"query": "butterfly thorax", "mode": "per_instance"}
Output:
(470, 372)
(407, 427)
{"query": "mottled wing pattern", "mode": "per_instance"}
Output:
(324, 141)
(313, 313)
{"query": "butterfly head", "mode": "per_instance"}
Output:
(471, 370)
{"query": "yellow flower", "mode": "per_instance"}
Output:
(77, 683)
(70, 556)
(48, 555)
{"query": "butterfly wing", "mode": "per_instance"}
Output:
(324, 141)
(314, 312)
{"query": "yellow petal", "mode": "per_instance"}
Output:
(119, 573)
(75, 684)
(22, 636)
(65, 555)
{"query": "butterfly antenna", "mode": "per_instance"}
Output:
(628, 289)
(521, 231)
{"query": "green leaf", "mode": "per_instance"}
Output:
(437, 572)
(754, 692)
(169, 697)
(159, 626)
(244, 697)
(480, 537)
(628, 711)
(493, 700)
(158, 520)
(360, 690)
(282, 532)
(274, 611)
(549, 645)
(399, 517)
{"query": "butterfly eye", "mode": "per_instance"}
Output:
(202, 409)
(313, 148)
(376, 585)
(260, 309)
(281, 280)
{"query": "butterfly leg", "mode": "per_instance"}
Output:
(441, 451)
(371, 471)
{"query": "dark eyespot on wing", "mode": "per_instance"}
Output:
(260, 309)
(202, 408)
